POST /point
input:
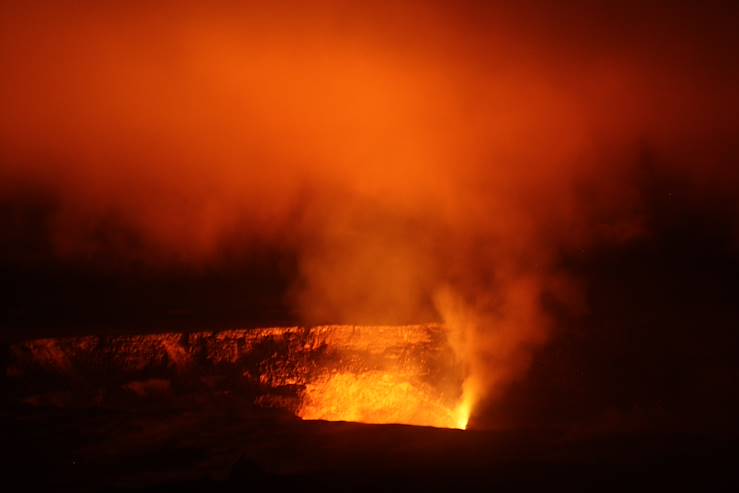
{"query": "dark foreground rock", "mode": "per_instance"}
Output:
(222, 448)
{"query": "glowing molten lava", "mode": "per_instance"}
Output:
(379, 397)
(404, 375)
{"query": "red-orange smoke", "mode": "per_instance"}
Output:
(409, 153)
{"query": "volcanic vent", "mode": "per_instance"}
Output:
(371, 374)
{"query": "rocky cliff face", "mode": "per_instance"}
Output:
(269, 367)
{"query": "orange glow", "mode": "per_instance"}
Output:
(389, 374)
(398, 151)
(379, 397)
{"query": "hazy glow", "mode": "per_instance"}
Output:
(402, 151)
(379, 397)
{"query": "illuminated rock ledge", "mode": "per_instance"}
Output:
(373, 374)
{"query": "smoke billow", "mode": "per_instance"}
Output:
(424, 162)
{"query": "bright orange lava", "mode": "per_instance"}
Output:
(380, 397)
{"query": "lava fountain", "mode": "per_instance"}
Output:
(370, 374)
